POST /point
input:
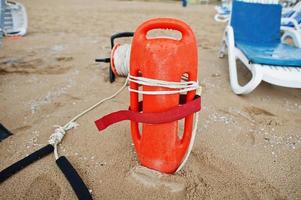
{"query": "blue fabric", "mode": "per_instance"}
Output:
(257, 33)
(279, 55)
(255, 23)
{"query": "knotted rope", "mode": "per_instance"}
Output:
(121, 61)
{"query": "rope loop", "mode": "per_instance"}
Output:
(177, 87)
(58, 135)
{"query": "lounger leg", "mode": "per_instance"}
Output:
(224, 47)
(251, 85)
(233, 54)
(294, 35)
(223, 50)
(221, 18)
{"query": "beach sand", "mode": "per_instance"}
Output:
(247, 147)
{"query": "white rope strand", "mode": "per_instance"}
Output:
(60, 131)
(180, 87)
(193, 135)
(122, 59)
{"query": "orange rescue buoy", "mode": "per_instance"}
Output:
(159, 146)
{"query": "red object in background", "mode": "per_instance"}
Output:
(18, 37)
(159, 146)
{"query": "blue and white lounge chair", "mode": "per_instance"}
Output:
(291, 24)
(15, 19)
(223, 11)
(288, 11)
(253, 36)
(2, 8)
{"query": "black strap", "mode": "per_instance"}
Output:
(16, 167)
(4, 132)
(74, 179)
(70, 173)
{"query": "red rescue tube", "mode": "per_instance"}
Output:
(158, 146)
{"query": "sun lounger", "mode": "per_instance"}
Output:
(259, 48)
(2, 7)
(223, 12)
(291, 24)
(288, 11)
(15, 19)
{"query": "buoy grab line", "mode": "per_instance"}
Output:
(181, 87)
(60, 131)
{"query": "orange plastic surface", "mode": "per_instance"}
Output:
(159, 147)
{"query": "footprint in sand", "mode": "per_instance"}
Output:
(209, 177)
(252, 110)
(30, 66)
(42, 188)
(21, 128)
(262, 116)
(64, 58)
(174, 185)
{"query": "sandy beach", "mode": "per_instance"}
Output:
(247, 147)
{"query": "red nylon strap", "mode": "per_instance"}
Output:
(171, 115)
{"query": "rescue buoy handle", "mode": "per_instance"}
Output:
(164, 23)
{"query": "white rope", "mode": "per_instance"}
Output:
(193, 134)
(122, 59)
(60, 131)
(59, 134)
(122, 62)
(179, 87)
